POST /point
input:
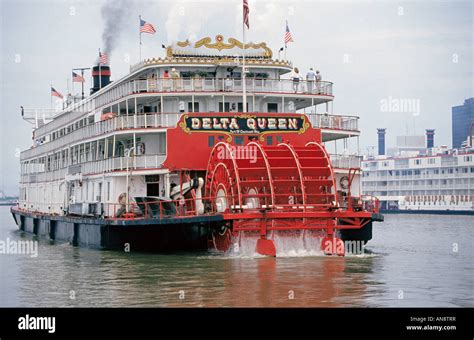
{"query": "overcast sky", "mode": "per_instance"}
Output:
(371, 50)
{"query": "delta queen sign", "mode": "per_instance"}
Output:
(189, 144)
(244, 124)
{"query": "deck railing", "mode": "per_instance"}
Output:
(253, 85)
(345, 161)
(163, 120)
(98, 166)
(334, 122)
(151, 120)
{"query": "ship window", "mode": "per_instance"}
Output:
(196, 107)
(224, 107)
(210, 141)
(272, 107)
(279, 139)
(269, 140)
(240, 107)
(239, 140)
(99, 193)
(153, 189)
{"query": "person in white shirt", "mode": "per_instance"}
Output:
(318, 82)
(296, 77)
(310, 78)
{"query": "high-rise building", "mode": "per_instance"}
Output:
(462, 118)
(381, 137)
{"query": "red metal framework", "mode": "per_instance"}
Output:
(280, 188)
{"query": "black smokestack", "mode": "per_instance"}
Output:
(430, 138)
(114, 13)
(100, 76)
(381, 134)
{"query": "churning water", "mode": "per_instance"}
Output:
(413, 260)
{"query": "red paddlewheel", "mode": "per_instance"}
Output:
(333, 246)
(222, 240)
(266, 247)
(281, 178)
(275, 177)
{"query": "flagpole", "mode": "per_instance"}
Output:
(72, 82)
(244, 85)
(82, 83)
(100, 72)
(140, 34)
(51, 94)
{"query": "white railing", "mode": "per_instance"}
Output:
(100, 166)
(151, 120)
(199, 84)
(345, 161)
(335, 122)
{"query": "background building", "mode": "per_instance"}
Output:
(462, 118)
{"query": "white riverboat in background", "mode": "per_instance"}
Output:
(415, 179)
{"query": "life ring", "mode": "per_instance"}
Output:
(344, 182)
(122, 199)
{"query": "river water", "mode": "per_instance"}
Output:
(413, 261)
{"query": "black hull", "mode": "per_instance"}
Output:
(162, 236)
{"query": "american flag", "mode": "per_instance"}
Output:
(288, 36)
(246, 14)
(146, 27)
(77, 78)
(103, 58)
(55, 93)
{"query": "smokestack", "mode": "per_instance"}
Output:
(381, 134)
(430, 138)
(100, 76)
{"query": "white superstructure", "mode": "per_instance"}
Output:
(438, 179)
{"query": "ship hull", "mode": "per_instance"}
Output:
(162, 236)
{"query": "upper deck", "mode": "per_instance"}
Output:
(205, 76)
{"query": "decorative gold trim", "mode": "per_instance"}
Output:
(183, 43)
(221, 45)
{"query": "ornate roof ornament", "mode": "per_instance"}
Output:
(206, 47)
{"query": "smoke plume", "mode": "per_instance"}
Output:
(114, 13)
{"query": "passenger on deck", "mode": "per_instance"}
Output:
(310, 78)
(296, 77)
(318, 82)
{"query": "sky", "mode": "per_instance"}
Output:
(377, 53)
